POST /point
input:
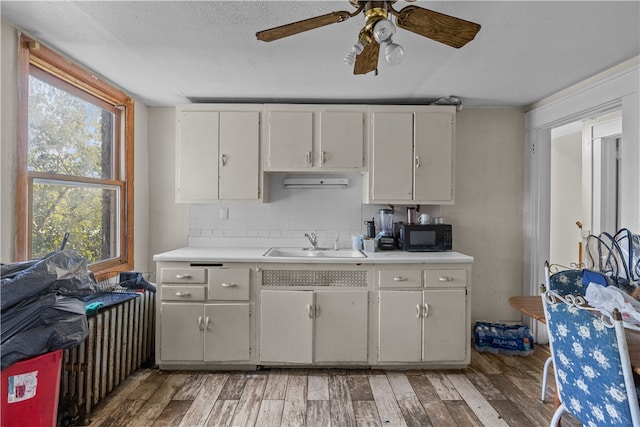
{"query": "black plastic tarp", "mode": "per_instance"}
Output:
(50, 323)
(41, 306)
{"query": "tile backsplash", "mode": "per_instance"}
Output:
(330, 213)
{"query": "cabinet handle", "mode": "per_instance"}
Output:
(223, 159)
(207, 322)
(183, 294)
(399, 279)
(323, 158)
(417, 161)
(229, 285)
(418, 311)
(310, 311)
(200, 325)
(426, 310)
(445, 279)
(183, 276)
(308, 157)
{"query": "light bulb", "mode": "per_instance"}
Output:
(350, 57)
(393, 53)
(383, 30)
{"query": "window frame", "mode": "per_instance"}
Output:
(80, 82)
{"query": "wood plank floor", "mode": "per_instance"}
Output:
(495, 390)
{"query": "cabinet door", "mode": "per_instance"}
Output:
(392, 157)
(181, 336)
(445, 325)
(400, 327)
(227, 332)
(341, 139)
(239, 139)
(341, 326)
(434, 157)
(197, 156)
(290, 140)
(286, 326)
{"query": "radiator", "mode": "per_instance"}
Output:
(121, 339)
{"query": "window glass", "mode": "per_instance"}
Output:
(68, 135)
(89, 213)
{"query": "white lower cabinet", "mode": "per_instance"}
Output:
(204, 315)
(210, 316)
(303, 326)
(205, 332)
(422, 326)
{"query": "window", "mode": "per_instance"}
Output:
(75, 163)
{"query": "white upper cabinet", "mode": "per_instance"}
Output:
(217, 155)
(411, 155)
(392, 153)
(290, 139)
(341, 139)
(239, 154)
(433, 167)
(196, 156)
(303, 138)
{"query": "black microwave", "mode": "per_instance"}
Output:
(425, 237)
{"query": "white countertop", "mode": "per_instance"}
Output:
(208, 254)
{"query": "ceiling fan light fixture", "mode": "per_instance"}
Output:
(350, 57)
(393, 53)
(383, 30)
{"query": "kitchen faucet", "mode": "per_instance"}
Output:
(313, 239)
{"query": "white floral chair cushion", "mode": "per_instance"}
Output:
(591, 363)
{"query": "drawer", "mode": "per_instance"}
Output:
(182, 275)
(445, 278)
(400, 279)
(229, 284)
(182, 293)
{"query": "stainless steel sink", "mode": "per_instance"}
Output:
(313, 253)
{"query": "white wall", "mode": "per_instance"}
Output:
(566, 197)
(168, 221)
(487, 215)
(8, 109)
(142, 259)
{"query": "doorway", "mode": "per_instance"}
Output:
(584, 184)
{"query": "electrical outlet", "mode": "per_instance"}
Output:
(224, 214)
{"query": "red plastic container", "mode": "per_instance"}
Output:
(30, 391)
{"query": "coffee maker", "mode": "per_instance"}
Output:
(385, 237)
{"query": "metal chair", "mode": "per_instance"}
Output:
(591, 363)
(565, 282)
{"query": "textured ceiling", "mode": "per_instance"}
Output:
(166, 53)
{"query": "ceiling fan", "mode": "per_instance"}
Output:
(379, 29)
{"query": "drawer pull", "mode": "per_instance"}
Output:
(399, 279)
(310, 310)
(418, 311)
(183, 294)
(207, 322)
(183, 276)
(445, 279)
(426, 310)
(229, 285)
(200, 325)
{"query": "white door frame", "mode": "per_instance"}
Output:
(615, 89)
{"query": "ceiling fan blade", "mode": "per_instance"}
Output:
(302, 26)
(367, 61)
(442, 28)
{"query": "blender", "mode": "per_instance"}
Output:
(385, 237)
